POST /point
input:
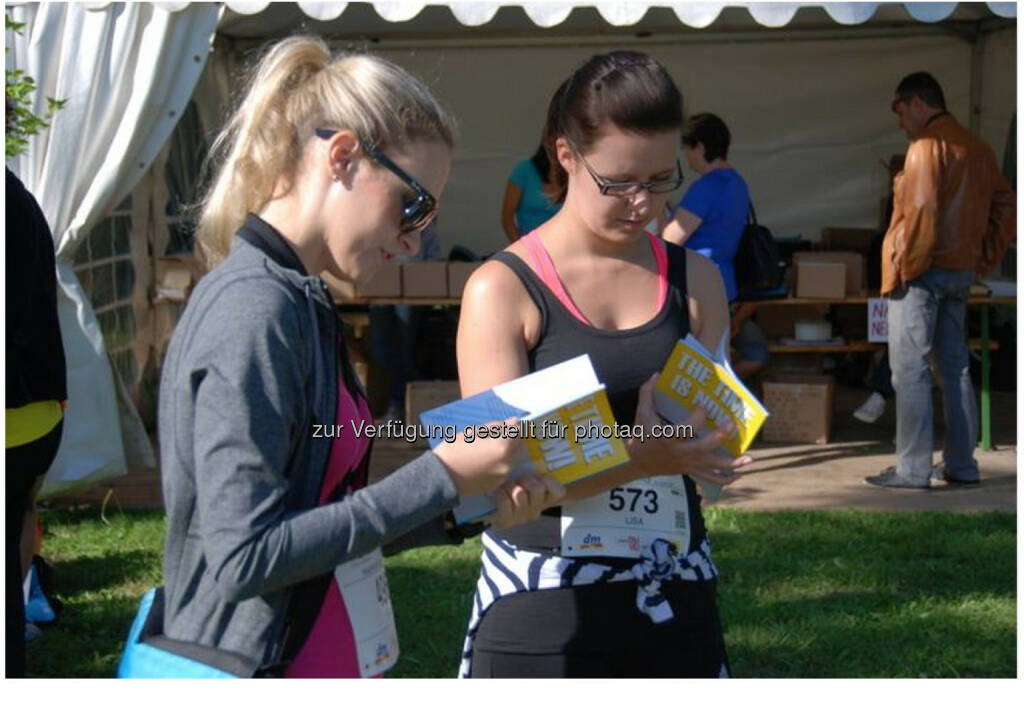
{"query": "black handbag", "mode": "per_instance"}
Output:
(758, 264)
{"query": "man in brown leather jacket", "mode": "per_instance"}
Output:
(954, 215)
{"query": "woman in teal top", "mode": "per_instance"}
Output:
(527, 205)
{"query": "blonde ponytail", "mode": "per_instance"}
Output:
(297, 87)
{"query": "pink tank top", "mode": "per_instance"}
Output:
(545, 268)
(330, 650)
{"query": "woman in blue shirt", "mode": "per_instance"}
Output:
(527, 205)
(710, 220)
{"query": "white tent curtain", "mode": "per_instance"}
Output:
(127, 71)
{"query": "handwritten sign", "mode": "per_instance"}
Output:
(878, 320)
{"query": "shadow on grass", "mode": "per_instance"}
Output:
(86, 640)
(92, 573)
(809, 594)
(867, 635)
(839, 594)
(91, 515)
(431, 611)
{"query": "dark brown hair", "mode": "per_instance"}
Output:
(629, 89)
(709, 130)
(923, 85)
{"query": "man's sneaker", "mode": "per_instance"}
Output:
(872, 409)
(939, 474)
(890, 479)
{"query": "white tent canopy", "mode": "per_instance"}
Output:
(804, 87)
(619, 14)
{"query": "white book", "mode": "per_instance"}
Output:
(562, 408)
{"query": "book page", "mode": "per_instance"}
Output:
(568, 428)
(691, 379)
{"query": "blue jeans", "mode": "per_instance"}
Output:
(750, 343)
(880, 380)
(928, 318)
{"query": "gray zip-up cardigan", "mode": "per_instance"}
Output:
(253, 365)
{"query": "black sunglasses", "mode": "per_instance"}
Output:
(630, 188)
(418, 212)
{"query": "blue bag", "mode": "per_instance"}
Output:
(37, 605)
(148, 654)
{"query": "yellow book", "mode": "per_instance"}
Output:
(567, 426)
(694, 377)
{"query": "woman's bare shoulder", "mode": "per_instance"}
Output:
(494, 285)
(703, 279)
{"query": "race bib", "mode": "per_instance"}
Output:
(364, 588)
(625, 521)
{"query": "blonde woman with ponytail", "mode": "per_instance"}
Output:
(273, 561)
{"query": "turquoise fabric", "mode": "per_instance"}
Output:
(534, 209)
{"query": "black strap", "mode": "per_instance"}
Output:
(153, 635)
(751, 215)
(535, 288)
(677, 279)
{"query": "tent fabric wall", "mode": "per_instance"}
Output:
(126, 71)
(998, 93)
(809, 115)
(810, 119)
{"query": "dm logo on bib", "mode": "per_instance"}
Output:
(383, 654)
(592, 541)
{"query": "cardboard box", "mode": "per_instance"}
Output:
(856, 239)
(781, 366)
(386, 283)
(425, 279)
(424, 395)
(856, 273)
(175, 277)
(458, 273)
(776, 321)
(800, 409)
(820, 279)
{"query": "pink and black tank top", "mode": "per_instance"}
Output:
(623, 359)
(329, 649)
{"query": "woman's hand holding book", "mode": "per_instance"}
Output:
(667, 450)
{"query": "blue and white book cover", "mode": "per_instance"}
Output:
(561, 396)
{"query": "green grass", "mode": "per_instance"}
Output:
(100, 572)
(802, 594)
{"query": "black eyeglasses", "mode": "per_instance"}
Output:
(418, 212)
(625, 189)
